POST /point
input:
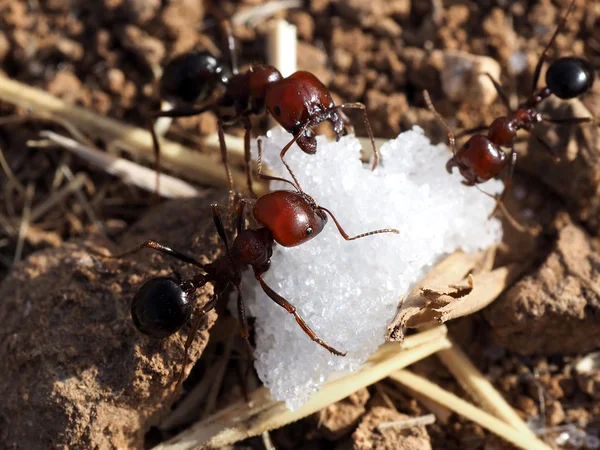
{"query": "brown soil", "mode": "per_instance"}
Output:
(104, 55)
(71, 358)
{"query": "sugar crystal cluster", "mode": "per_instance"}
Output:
(349, 291)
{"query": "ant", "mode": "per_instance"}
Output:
(298, 103)
(286, 217)
(481, 157)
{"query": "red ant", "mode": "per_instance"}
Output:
(289, 218)
(298, 102)
(481, 157)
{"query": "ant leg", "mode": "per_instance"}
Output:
(288, 146)
(363, 109)
(225, 161)
(568, 120)
(245, 333)
(358, 236)
(451, 138)
(538, 67)
(176, 112)
(247, 156)
(292, 310)
(241, 208)
(547, 147)
(160, 248)
(244, 328)
(499, 198)
(469, 131)
(499, 90)
(347, 124)
(192, 334)
(507, 180)
(219, 225)
(184, 111)
(270, 177)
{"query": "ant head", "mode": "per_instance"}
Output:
(569, 77)
(292, 217)
(192, 76)
(297, 99)
(253, 247)
(479, 159)
(260, 78)
(160, 308)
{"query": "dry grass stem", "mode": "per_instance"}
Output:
(58, 196)
(282, 44)
(221, 364)
(128, 171)
(188, 409)
(262, 413)
(9, 173)
(179, 158)
(255, 15)
(477, 385)
(83, 200)
(26, 219)
(471, 412)
(266, 438)
(427, 419)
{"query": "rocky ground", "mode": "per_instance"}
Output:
(71, 382)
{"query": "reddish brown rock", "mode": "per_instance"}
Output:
(555, 309)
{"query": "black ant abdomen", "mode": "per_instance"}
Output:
(191, 77)
(569, 77)
(160, 308)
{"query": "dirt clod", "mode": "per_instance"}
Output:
(464, 77)
(71, 356)
(338, 419)
(369, 437)
(539, 314)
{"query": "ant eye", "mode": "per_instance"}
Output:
(309, 231)
(277, 110)
(467, 145)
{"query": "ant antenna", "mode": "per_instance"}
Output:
(358, 236)
(367, 123)
(158, 247)
(295, 185)
(305, 127)
(538, 67)
(451, 138)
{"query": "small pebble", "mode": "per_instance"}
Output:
(464, 77)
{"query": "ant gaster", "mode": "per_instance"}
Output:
(287, 217)
(481, 157)
(298, 103)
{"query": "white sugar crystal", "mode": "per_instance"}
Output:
(348, 291)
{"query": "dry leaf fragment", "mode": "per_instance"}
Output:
(425, 306)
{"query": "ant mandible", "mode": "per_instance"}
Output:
(298, 103)
(290, 218)
(481, 157)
